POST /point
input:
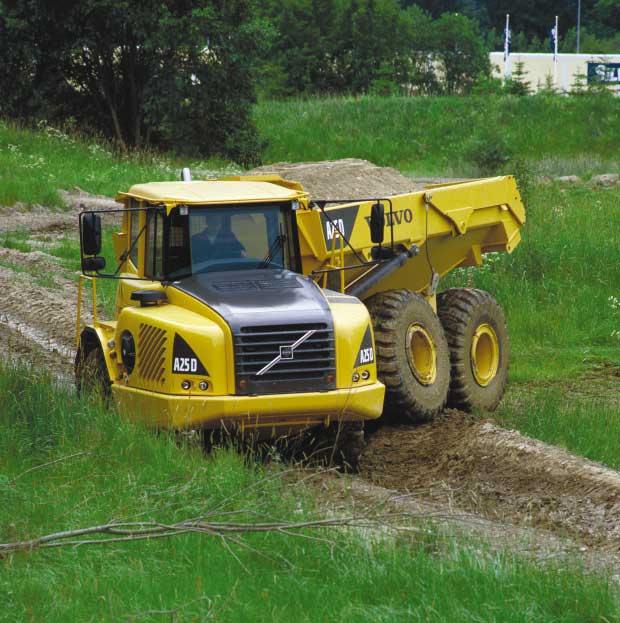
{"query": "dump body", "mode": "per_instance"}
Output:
(452, 225)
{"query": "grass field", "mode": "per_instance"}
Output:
(107, 470)
(448, 136)
(445, 135)
(35, 164)
(560, 290)
(586, 425)
(558, 287)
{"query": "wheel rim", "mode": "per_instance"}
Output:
(422, 354)
(485, 354)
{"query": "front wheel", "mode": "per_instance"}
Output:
(475, 326)
(412, 355)
(91, 375)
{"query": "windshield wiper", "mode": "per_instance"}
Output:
(276, 245)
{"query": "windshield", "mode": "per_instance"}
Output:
(230, 238)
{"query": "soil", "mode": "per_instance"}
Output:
(37, 324)
(42, 219)
(471, 464)
(347, 179)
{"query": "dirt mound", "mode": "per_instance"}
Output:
(78, 200)
(500, 474)
(35, 218)
(350, 178)
(41, 316)
(43, 219)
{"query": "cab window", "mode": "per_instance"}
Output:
(154, 266)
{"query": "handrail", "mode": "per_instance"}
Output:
(78, 319)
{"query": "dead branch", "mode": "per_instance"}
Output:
(117, 532)
(42, 465)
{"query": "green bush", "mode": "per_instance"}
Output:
(489, 152)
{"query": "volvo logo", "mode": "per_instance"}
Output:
(287, 352)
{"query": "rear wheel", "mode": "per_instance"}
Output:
(475, 326)
(412, 355)
(91, 375)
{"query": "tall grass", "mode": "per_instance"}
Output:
(419, 135)
(435, 135)
(36, 163)
(556, 286)
(585, 425)
(126, 473)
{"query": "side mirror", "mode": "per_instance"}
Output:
(91, 233)
(377, 223)
(93, 264)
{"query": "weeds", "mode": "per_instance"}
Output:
(17, 240)
(66, 464)
(435, 135)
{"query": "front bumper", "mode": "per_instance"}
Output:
(277, 411)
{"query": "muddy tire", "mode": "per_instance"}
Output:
(475, 326)
(412, 355)
(339, 444)
(91, 376)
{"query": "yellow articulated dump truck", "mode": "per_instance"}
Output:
(245, 303)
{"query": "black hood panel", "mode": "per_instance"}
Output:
(268, 310)
(258, 297)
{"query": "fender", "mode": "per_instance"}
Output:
(95, 337)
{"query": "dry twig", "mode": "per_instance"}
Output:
(42, 465)
(116, 532)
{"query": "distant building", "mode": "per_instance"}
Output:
(539, 70)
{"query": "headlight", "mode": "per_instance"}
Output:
(128, 351)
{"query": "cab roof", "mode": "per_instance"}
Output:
(200, 192)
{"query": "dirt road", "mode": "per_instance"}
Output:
(463, 462)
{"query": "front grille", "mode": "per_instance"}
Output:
(260, 284)
(311, 367)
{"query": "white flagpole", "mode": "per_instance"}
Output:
(555, 51)
(507, 48)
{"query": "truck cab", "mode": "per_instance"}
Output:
(215, 324)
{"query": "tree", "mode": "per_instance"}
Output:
(373, 40)
(172, 73)
(302, 56)
(461, 52)
(517, 83)
(369, 46)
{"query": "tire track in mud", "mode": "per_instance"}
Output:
(473, 466)
(37, 324)
(30, 313)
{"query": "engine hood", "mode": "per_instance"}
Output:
(259, 297)
(282, 328)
